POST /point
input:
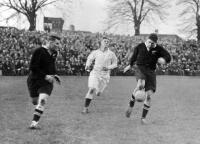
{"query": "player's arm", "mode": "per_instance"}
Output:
(165, 54)
(114, 62)
(132, 59)
(35, 66)
(35, 63)
(89, 61)
(134, 56)
(56, 77)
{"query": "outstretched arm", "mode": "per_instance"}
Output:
(89, 61)
(114, 63)
(134, 56)
(165, 54)
(132, 59)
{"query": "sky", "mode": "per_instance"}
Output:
(90, 15)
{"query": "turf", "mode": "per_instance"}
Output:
(173, 119)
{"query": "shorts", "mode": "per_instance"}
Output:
(98, 81)
(148, 75)
(35, 87)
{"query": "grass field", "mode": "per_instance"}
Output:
(173, 119)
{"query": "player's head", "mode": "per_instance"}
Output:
(152, 40)
(53, 42)
(105, 42)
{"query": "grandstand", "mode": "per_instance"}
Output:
(162, 38)
(16, 47)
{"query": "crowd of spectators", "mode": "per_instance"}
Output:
(16, 47)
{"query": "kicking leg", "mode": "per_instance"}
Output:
(140, 86)
(39, 110)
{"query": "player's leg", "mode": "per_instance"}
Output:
(92, 84)
(34, 95)
(140, 77)
(150, 89)
(39, 109)
(88, 98)
(147, 105)
(103, 82)
(140, 85)
(44, 93)
(32, 91)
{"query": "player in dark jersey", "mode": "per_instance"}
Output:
(42, 75)
(145, 56)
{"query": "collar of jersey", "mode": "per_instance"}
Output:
(44, 46)
(104, 50)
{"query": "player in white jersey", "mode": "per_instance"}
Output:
(104, 61)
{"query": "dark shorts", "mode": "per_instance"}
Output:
(35, 87)
(148, 75)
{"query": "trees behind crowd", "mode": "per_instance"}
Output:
(28, 8)
(190, 17)
(135, 12)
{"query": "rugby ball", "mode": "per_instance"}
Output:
(140, 95)
(161, 60)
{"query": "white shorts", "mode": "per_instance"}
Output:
(98, 81)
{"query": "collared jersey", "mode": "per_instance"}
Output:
(102, 59)
(42, 63)
(141, 56)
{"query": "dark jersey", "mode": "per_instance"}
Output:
(142, 57)
(42, 63)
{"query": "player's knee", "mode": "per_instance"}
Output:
(140, 87)
(148, 101)
(91, 91)
(42, 99)
(89, 96)
(150, 93)
(148, 97)
(140, 84)
(43, 102)
(98, 93)
(132, 97)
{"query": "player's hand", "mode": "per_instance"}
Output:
(57, 79)
(49, 78)
(105, 69)
(87, 68)
(127, 68)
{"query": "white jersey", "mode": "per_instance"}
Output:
(102, 59)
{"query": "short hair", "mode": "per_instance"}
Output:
(54, 37)
(153, 37)
(45, 38)
(104, 37)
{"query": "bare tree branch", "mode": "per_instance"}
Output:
(144, 15)
(28, 8)
(136, 11)
(190, 16)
